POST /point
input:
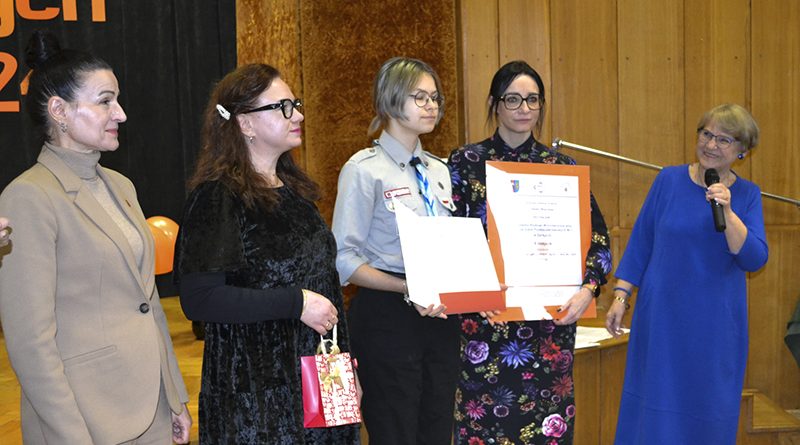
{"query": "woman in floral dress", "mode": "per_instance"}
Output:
(516, 378)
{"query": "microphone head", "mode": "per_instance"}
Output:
(712, 177)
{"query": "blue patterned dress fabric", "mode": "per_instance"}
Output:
(516, 382)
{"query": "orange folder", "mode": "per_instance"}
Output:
(584, 203)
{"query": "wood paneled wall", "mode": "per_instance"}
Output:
(634, 78)
(625, 76)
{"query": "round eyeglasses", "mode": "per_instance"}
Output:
(287, 107)
(421, 99)
(513, 101)
(705, 136)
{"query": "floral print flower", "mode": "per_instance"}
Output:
(516, 354)
(476, 351)
(554, 426)
(475, 441)
(524, 332)
(563, 361)
(475, 409)
(571, 411)
(549, 350)
(503, 395)
(469, 326)
(563, 385)
(500, 410)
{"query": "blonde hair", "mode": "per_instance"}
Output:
(394, 82)
(734, 120)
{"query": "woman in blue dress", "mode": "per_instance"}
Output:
(688, 343)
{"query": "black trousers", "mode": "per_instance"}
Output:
(408, 366)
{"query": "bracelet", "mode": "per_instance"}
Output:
(591, 286)
(305, 302)
(406, 298)
(626, 291)
(622, 300)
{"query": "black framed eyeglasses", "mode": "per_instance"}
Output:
(705, 136)
(513, 101)
(287, 107)
(421, 99)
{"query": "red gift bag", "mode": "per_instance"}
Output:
(329, 387)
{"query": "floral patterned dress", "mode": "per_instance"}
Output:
(516, 380)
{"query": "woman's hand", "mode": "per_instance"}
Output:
(488, 315)
(5, 232)
(432, 311)
(181, 424)
(720, 193)
(319, 313)
(575, 307)
(614, 318)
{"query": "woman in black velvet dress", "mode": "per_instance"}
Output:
(256, 263)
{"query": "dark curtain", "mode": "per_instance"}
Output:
(167, 55)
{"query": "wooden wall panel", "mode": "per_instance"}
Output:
(343, 45)
(774, 294)
(260, 25)
(717, 68)
(583, 101)
(776, 103)
(524, 34)
(651, 106)
(480, 60)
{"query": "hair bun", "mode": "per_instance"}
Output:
(42, 46)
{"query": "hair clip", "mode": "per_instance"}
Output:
(223, 112)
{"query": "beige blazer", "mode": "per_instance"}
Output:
(85, 331)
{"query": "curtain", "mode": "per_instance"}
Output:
(166, 54)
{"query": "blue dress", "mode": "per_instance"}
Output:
(688, 342)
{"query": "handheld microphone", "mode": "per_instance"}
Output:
(712, 177)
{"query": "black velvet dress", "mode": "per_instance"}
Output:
(251, 390)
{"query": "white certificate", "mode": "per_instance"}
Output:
(538, 220)
(539, 224)
(445, 255)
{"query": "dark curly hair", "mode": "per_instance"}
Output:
(224, 155)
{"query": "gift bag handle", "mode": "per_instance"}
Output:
(334, 344)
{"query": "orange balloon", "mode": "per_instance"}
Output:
(167, 225)
(164, 235)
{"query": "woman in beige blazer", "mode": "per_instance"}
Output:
(84, 329)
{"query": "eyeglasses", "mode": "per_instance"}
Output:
(705, 136)
(287, 107)
(512, 101)
(421, 99)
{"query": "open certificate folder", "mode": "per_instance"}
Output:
(539, 228)
(447, 262)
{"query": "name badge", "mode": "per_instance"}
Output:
(395, 193)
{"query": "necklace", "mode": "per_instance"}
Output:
(694, 172)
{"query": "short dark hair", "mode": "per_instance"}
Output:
(500, 82)
(55, 72)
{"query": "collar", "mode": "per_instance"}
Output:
(501, 147)
(397, 152)
(84, 165)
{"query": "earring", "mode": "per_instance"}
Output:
(62, 126)
(740, 156)
(250, 139)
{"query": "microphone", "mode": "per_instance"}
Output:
(712, 177)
